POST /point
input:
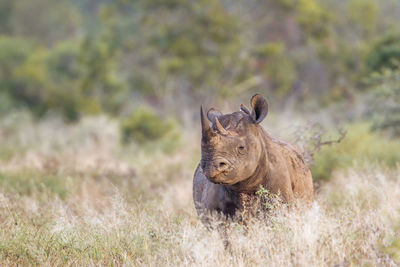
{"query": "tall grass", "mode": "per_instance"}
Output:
(122, 206)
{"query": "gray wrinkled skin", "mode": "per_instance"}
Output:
(238, 156)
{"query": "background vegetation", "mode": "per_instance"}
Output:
(99, 127)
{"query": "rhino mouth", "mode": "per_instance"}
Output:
(222, 183)
(219, 179)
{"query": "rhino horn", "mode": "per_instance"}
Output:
(206, 130)
(220, 128)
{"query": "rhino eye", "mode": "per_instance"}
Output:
(241, 149)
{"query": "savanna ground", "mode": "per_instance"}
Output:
(73, 195)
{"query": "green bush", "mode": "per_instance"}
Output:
(64, 75)
(359, 146)
(313, 18)
(385, 104)
(385, 53)
(39, 79)
(49, 80)
(44, 21)
(55, 80)
(363, 13)
(145, 127)
(13, 53)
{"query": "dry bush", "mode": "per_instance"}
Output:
(310, 138)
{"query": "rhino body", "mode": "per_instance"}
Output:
(239, 156)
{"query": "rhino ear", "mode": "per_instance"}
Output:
(260, 108)
(212, 113)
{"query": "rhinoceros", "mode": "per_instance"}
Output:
(238, 157)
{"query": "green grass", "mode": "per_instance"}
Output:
(38, 184)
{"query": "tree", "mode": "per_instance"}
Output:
(385, 53)
(385, 87)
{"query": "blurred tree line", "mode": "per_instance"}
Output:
(77, 57)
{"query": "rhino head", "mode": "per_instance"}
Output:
(232, 148)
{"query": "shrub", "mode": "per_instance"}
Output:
(39, 79)
(54, 80)
(360, 146)
(385, 106)
(281, 75)
(64, 74)
(13, 53)
(144, 127)
(363, 13)
(385, 53)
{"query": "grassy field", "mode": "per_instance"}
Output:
(72, 195)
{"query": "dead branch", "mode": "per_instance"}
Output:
(310, 139)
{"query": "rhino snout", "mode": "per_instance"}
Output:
(222, 165)
(216, 167)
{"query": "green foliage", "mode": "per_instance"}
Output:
(13, 53)
(385, 88)
(269, 50)
(145, 127)
(313, 17)
(184, 41)
(88, 57)
(65, 74)
(359, 146)
(385, 53)
(6, 8)
(99, 84)
(280, 69)
(269, 202)
(58, 80)
(44, 21)
(25, 76)
(39, 79)
(364, 14)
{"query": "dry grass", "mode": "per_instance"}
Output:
(70, 195)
